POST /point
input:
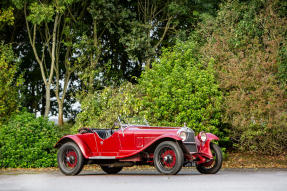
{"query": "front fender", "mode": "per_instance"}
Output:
(204, 147)
(211, 137)
(168, 136)
(74, 138)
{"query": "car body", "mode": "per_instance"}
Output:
(168, 148)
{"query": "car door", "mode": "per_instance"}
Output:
(127, 141)
(109, 146)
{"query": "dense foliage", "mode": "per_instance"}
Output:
(101, 109)
(248, 42)
(179, 89)
(9, 82)
(27, 141)
(90, 44)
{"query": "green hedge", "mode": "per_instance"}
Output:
(27, 141)
(179, 89)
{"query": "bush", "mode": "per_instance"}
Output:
(9, 82)
(179, 89)
(101, 109)
(247, 40)
(27, 141)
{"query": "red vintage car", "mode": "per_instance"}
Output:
(167, 148)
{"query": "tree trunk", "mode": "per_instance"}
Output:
(43, 101)
(148, 64)
(48, 96)
(60, 117)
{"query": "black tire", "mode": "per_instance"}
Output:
(217, 163)
(70, 159)
(168, 158)
(111, 170)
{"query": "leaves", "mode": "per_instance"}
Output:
(247, 40)
(179, 89)
(27, 141)
(41, 12)
(6, 16)
(101, 109)
(9, 82)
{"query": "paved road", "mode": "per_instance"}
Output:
(146, 180)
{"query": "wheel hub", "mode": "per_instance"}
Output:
(71, 159)
(168, 158)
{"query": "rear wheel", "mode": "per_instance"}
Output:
(214, 165)
(70, 159)
(168, 158)
(111, 170)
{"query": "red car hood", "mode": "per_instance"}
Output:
(153, 130)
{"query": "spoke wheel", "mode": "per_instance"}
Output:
(111, 170)
(213, 165)
(168, 158)
(70, 159)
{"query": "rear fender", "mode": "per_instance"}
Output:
(74, 138)
(204, 147)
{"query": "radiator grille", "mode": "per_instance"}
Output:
(191, 148)
(190, 143)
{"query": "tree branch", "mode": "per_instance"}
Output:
(164, 33)
(32, 42)
(53, 47)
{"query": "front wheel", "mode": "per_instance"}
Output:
(111, 170)
(70, 159)
(168, 158)
(214, 165)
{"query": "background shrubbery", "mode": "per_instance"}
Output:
(9, 82)
(27, 141)
(101, 109)
(229, 78)
(248, 42)
(177, 90)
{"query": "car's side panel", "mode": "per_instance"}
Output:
(133, 138)
(128, 153)
(127, 140)
(109, 146)
(122, 144)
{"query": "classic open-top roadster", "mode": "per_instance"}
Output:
(167, 148)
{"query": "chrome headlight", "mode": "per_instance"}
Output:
(183, 135)
(202, 136)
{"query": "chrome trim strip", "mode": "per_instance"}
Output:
(189, 142)
(102, 157)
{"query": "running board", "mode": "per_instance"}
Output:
(102, 157)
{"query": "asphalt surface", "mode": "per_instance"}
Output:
(146, 180)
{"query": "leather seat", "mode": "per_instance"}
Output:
(104, 133)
